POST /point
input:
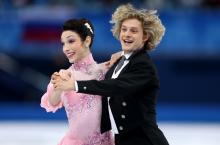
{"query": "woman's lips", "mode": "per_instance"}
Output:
(70, 55)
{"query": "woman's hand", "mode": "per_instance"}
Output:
(114, 58)
(55, 95)
(55, 76)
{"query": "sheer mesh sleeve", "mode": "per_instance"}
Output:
(45, 101)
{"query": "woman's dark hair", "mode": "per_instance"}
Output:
(82, 27)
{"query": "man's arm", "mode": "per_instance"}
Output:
(137, 78)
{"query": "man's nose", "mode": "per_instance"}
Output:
(127, 33)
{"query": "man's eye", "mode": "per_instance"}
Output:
(134, 31)
(123, 30)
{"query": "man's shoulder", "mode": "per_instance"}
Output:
(141, 57)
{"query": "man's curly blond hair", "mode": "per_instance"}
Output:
(151, 23)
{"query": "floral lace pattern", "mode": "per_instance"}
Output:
(84, 65)
(85, 102)
(99, 139)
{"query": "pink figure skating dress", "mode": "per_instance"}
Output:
(83, 110)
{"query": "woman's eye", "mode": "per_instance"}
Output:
(62, 43)
(71, 41)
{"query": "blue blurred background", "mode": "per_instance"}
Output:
(187, 59)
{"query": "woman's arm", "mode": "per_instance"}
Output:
(51, 100)
(55, 97)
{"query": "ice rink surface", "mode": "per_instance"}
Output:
(50, 132)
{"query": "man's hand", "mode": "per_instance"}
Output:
(63, 81)
(65, 74)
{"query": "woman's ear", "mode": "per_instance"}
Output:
(88, 41)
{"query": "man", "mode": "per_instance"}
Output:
(131, 85)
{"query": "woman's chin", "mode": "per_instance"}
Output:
(71, 60)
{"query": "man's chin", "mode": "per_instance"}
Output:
(127, 49)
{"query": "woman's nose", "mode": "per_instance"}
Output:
(66, 48)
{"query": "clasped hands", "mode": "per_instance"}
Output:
(63, 80)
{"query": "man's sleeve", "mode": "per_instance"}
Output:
(136, 78)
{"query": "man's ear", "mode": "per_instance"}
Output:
(88, 41)
(146, 37)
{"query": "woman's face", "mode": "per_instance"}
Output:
(73, 47)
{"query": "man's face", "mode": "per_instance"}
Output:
(131, 35)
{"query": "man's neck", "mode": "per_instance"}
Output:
(126, 54)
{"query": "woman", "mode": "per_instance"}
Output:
(83, 111)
